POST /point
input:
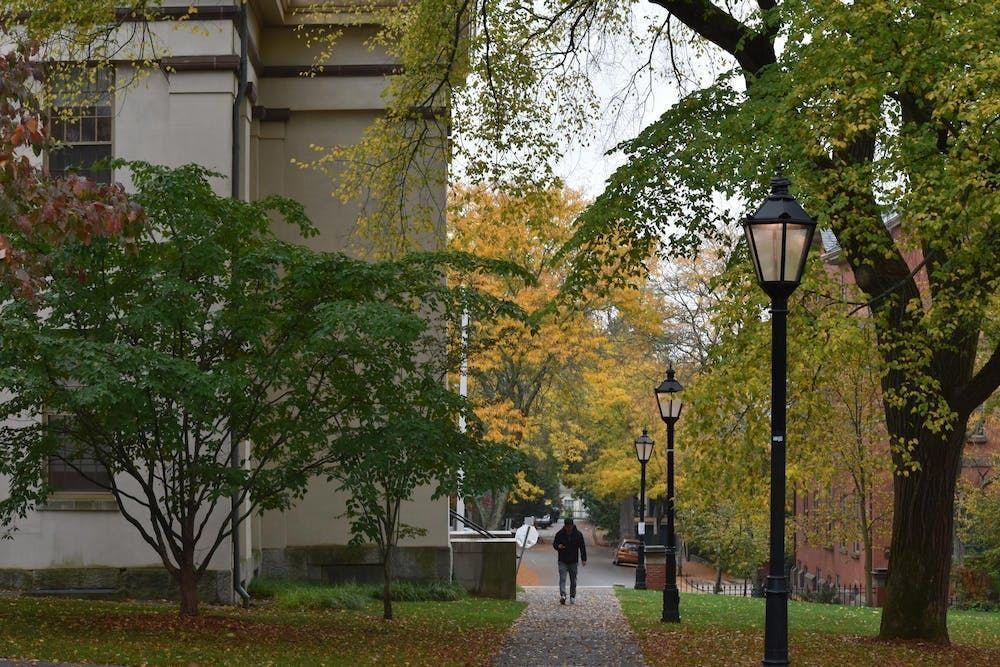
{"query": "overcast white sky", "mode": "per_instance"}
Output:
(585, 165)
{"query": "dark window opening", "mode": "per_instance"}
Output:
(74, 467)
(81, 126)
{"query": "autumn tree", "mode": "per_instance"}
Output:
(713, 311)
(510, 381)
(846, 462)
(918, 139)
(979, 528)
(602, 415)
(722, 491)
(721, 498)
(545, 385)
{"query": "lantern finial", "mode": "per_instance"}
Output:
(779, 184)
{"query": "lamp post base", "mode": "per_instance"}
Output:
(640, 577)
(671, 596)
(776, 621)
(671, 605)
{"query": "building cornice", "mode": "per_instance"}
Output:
(292, 71)
(194, 12)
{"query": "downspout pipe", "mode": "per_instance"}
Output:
(237, 177)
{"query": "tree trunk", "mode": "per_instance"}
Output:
(916, 604)
(718, 579)
(686, 558)
(387, 585)
(869, 547)
(492, 513)
(867, 528)
(187, 579)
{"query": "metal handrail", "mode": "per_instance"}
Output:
(471, 524)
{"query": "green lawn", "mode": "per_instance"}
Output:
(724, 630)
(467, 632)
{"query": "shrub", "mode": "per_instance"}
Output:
(824, 593)
(268, 589)
(976, 586)
(347, 596)
(310, 595)
(437, 591)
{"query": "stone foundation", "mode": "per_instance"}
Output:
(486, 567)
(343, 563)
(141, 583)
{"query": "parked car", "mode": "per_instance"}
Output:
(543, 521)
(626, 553)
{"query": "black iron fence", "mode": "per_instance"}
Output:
(851, 596)
(691, 585)
(844, 595)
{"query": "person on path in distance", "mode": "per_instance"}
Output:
(572, 551)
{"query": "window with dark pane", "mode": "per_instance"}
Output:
(80, 124)
(73, 468)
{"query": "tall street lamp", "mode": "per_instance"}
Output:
(779, 235)
(643, 450)
(670, 411)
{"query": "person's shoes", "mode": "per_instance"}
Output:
(572, 600)
(562, 599)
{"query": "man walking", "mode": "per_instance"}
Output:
(572, 551)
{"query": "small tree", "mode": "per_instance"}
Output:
(406, 433)
(846, 460)
(729, 531)
(208, 333)
(412, 440)
(979, 529)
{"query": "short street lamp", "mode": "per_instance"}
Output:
(670, 411)
(779, 235)
(643, 450)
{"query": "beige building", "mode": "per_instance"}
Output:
(193, 108)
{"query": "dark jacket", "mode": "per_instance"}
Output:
(570, 547)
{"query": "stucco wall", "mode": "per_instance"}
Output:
(177, 119)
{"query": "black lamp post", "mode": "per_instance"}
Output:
(670, 411)
(643, 450)
(779, 235)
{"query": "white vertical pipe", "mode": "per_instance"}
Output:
(463, 391)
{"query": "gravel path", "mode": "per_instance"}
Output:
(591, 632)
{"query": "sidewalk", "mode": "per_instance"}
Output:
(593, 632)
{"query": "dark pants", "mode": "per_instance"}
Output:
(564, 569)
